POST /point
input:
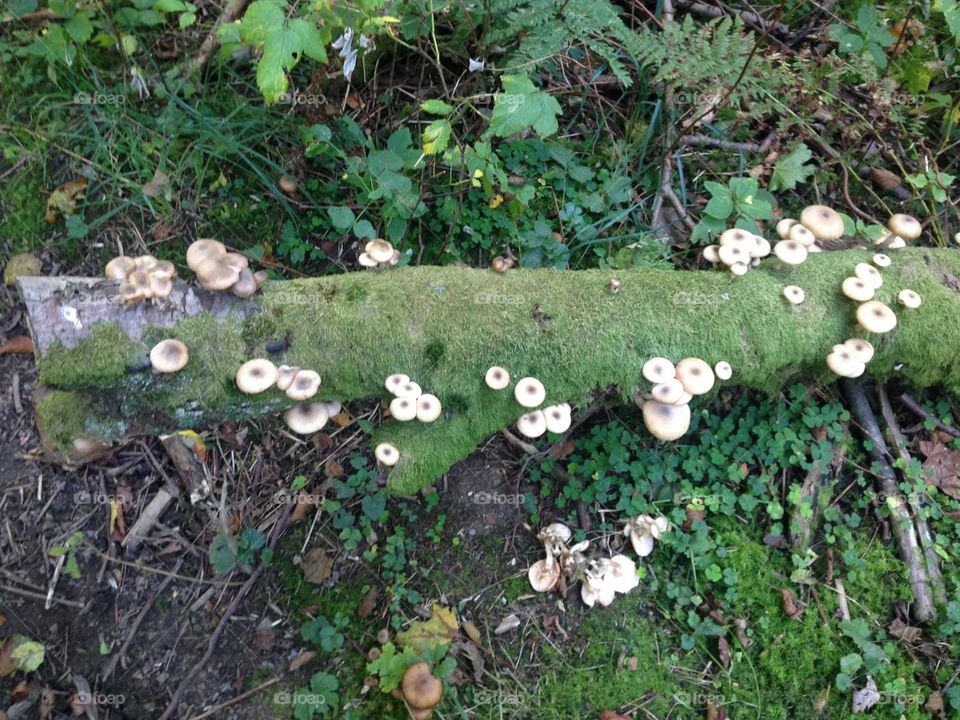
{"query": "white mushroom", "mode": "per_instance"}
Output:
(532, 425)
(497, 378)
(530, 392)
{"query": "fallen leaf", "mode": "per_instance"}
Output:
(305, 502)
(264, 636)
(934, 703)
(714, 712)
(316, 566)
(472, 631)
(791, 606)
(332, 469)
(20, 265)
(426, 635)
(302, 659)
(63, 201)
(866, 698)
(723, 649)
(510, 622)
(823, 698)
(470, 652)
(369, 602)
(47, 702)
(156, 184)
(18, 344)
(611, 715)
(740, 625)
(20, 691)
(941, 466)
(899, 629)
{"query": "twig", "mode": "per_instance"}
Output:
(916, 407)
(708, 141)
(239, 698)
(709, 11)
(212, 41)
(842, 598)
(40, 596)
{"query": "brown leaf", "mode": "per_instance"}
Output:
(791, 606)
(264, 637)
(934, 703)
(941, 466)
(472, 631)
(740, 624)
(47, 702)
(510, 622)
(316, 566)
(899, 629)
(63, 201)
(884, 179)
(155, 186)
(369, 602)
(332, 469)
(305, 502)
(471, 653)
(302, 659)
(723, 649)
(823, 698)
(7, 667)
(565, 448)
(18, 344)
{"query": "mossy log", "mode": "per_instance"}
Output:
(445, 326)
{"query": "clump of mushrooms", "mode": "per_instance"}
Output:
(643, 530)
(738, 249)
(142, 278)
(409, 401)
(666, 409)
(379, 254)
(218, 269)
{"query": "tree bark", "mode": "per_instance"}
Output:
(445, 326)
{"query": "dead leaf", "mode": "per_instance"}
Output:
(723, 649)
(714, 712)
(18, 344)
(565, 448)
(332, 469)
(63, 201)
(369, 602)
(941, 466)
(316, 566)
(424, 635)
(885, 179)
(866, 698)
(302, 659)
(20, 265)
(791, 606)
(20, 691)
(510, 622)
(470, 652)
(305, 502)
(740, 625)
(472, 631)
(611, 715)
(822, 699)
(155, 186)
(264, 636)
(47, 701)
(934, 703)
(7, 668)
(899, 629)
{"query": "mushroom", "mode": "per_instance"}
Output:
(306, 418)
(408, 389)
(500, 264)
(658, 370)
(783, 227)
(235, 260)
(620, 573)
(869, 274)
(761, 247)
(859, 348)
(120, 267)
(403, 409)
(168, 356)
(876, 317)
(141, 281)
(666, 422)
(532, 425)
(428, 408)
(802, 234)
(420, 689)
(643, 530)
(669, 391)
(695, 375)
(554, 536)
(128, 293)
(380, 251)
(711, 253)
(216, 275)
(497, 378)
(910, 299)
(905, 226)
(544, 574)
(256, 375)
(594, 588)
(844, 364)
(305, 385)
(285, 375)
(739, 269)
(204, 249)
(824, 222)
(333, 407)
(366, 261)
(737, 237)
(856, 289)
(790, 252)
(145, 262)
(794, 294)
(723, 370)
(557, 418)
(395, 381)
(614, 286)
(530, 392)
(386, 454)
(730, 254)
(160, 285)
(246, 285)
(881, 260)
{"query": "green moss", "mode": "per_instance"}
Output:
(100, 361)
(23, 202)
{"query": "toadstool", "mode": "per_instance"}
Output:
(256, 375)
(530, 392)
(168, 356)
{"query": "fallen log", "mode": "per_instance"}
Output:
(445, 326)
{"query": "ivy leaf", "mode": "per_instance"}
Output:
(792, 169)
(522, 105)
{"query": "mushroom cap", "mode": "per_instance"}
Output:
(530, 392)
(169, 355)
(403, 409)
(215, 275)
(160, 285)
(910, 299)
(246, 285)
(906, 226)
(794, 294)
(658, 370)
(285, 375)
(120, 267)
(783, 227)
(666, 422)
(260, 277)
(790, 252)
(814, 249)
(857, 289)
(876, 317)
(737, 237)
(544, 575)
(163, 268)
(333, 407)
(129, 293)
(711, 253)
(761, 247)
(203, 249)
(869, 274)
(730, 254)
(620, 572)
(379, 250)
(306, 418)
(844, 364)
(388, 455)
(896, 242)
(881, 260)
(235, 260)
(824, 222)
(396, 380)
(420, 688)
(802, 234)
(669, 391)
(305, 385)
(408, 389)
(723, 370)
(557, 418)
(428, 408)
(394, 259)
(859, 348)
(140, 280)
(739, 269)
(497, 378)
(145, 262)
(366, 261)
(533, 424)
(256, 375)
(695, 375)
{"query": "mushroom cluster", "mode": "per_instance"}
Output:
(218, 269)
(903, 228)
(259, 375)
(850, 358)
(410, 402)
(421, 691)
(817, 222)
(738, 249)
(378, 255)
(530, 393)
(142, 278)
(643, 530)
(666, 408)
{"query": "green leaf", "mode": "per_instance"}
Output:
(436, 137)
(79, 28)
(522, 105)
(222, 556)
(436, 107)
(849, 664)
(719, 206)
(19, 8)
(364, 229)
(170, 6)
(341, 217)
(28, 655)
(792, 169)
(951, 13)
(843, 682)
(374, 505)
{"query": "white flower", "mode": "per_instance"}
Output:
(476, 65)
(344, 42)
(350, 63)
(366, 42)
(139, 82)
